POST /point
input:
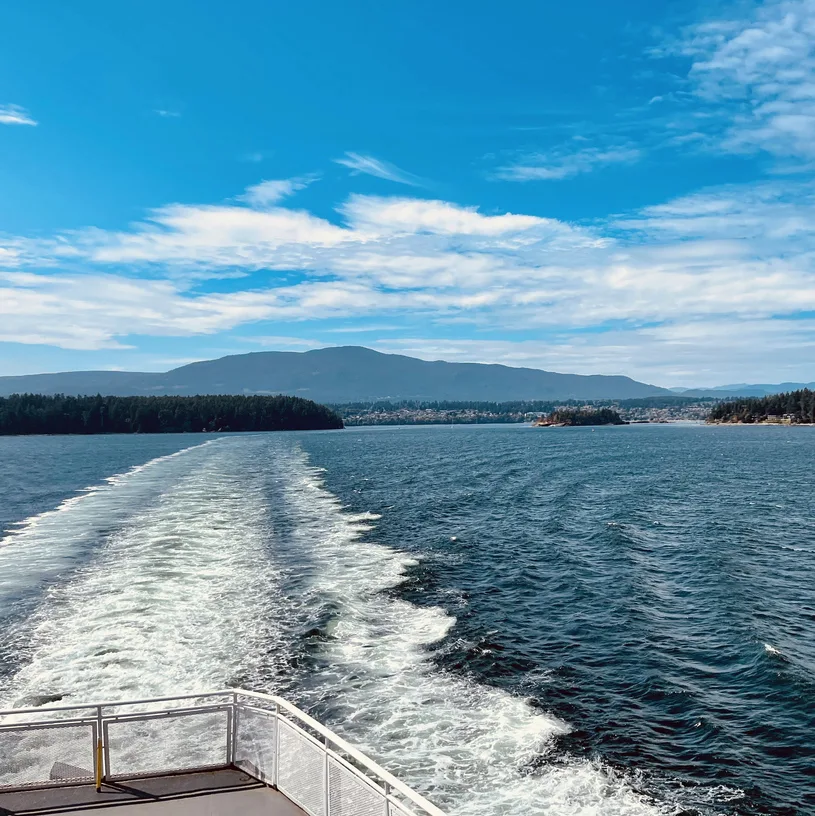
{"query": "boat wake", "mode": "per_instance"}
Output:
(473, 749)
(164, 584)
(233, 563)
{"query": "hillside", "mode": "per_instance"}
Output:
(744, 390)
(339, 375)
(794, 408)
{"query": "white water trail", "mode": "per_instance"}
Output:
(177, 599)
(45, 546)
(467, 746)
(184, 593)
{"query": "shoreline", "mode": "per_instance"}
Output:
(772, 424)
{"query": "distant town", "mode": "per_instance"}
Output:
(645, 410)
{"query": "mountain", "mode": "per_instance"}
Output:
(743, 390)
(341, 374)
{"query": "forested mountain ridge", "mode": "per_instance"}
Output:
(731, 392)
(794, 407)
(339, 375)
(37, 414)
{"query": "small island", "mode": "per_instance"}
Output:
(791, 408)
(22, 414)
(573, 417)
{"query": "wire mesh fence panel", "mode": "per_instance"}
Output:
(255, 743)
(46, 715)
(301, 770)
(349, 795)
(47, 755)
(394, 810)
(181, 742)
(161, 706)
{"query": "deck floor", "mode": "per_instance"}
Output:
(207, 793)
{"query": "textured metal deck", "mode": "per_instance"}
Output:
(213, 793)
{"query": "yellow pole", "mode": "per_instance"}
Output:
(99, 765)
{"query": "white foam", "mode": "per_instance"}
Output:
(177, 599)
(468, 746)
(46, 545)
(185, 593)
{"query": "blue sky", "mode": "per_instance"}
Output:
(594, 187)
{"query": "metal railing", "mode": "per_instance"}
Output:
(262, 735)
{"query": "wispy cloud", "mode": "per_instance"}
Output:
(359, 163)
(664, 277)
(392, 215)
(15, 115)
(757, 74)
(566, 162)
(166, 113)
(695, 352)
(284, 342)
(269, 193)
(359, 329)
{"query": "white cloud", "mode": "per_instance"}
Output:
(93, 311)
(758, 73)
(9, 256)
(565, 163)
(727, 256)
(358, 163)
(776, 218)
(277, 342)
(698, 354)
(359, 329)
(15, 115)
(167, 114)
(271, 192)
(215, 236)
(414, 215)
(263, 235)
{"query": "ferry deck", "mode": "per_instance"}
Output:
(209, 754)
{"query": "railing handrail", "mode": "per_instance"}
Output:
(347, 748)
(391, 781)
(116, 703)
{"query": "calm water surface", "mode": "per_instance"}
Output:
(516, 620)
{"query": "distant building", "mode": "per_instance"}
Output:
(776, 419)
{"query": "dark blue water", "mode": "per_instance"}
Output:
(628, 612)
(38, 472)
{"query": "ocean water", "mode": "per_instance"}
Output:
(571, 622)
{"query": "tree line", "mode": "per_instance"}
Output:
(59, 414)
(799, 406)
(574, 416)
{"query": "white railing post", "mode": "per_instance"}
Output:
(276, 773)
(338, 755)
(326, 795)
(231, 730)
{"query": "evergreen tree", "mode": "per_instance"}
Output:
(797, 406)
(38, 414)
